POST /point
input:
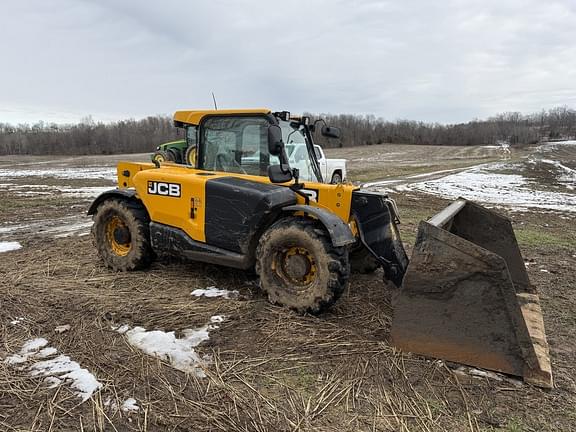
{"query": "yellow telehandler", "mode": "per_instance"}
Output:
(464, 295)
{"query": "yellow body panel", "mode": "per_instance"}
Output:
(194, 117)
(187, 212)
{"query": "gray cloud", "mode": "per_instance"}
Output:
(444, 61)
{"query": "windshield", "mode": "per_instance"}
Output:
(296, 150)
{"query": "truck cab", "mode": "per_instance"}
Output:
(333, 170)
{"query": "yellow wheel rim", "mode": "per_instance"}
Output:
(159, 158)
(192, 158)
(114, 231)
(298, 266)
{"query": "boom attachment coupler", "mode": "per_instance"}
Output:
(466, 296)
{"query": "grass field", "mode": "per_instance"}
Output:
(260, 367)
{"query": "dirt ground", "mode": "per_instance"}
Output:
(266, 368)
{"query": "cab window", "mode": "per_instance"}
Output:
(235, 144)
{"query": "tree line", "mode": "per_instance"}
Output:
(88, 137)
(135, 136)
(513, 128)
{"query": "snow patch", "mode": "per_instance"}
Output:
(61, 227)
(552, 144)
(81, 379)
(52, 382)
(179, 352)
(29, 349)
(61, 173)
(85, 192)
(380, 183)
(6, 246)
(56, 370)
(485, 184)
(433, 173)
(130, 405)
(121, 329)
(29, 189)
(62, 328)
(46, 352)
(568, 174)
(212, 291)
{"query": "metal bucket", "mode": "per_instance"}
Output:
(466, 296)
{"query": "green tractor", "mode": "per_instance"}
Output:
(179, 151)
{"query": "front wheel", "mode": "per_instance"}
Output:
(121, 235)
(299, 267)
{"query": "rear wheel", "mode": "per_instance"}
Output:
(122, 236)
(298, 266)
(190, 156)
(336, 178)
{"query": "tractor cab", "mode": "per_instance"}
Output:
(237, 141)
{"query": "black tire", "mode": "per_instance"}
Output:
(175, 155)
(299, 267)
(362, 261)
(336, 178)
(121, 235)
(163, 156)
(190, 156)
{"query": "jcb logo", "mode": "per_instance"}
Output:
(164, 189)
(312, 194)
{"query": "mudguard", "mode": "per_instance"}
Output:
(112, 193)
(340, 232)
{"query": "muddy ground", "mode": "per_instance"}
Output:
(265, 368)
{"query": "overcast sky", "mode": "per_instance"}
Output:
(446, 61)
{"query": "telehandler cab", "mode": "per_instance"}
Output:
(464, 296)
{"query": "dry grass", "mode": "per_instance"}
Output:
(271, 369)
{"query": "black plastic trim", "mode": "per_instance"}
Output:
(237, 210)
(374, 215)
(167, 240)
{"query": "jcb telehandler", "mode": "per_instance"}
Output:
(464, 295)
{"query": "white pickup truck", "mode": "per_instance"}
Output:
(333, 170)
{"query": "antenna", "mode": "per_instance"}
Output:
(214, 99)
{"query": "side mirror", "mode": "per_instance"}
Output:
(331, 132)
(277, 175)
(275, 144)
